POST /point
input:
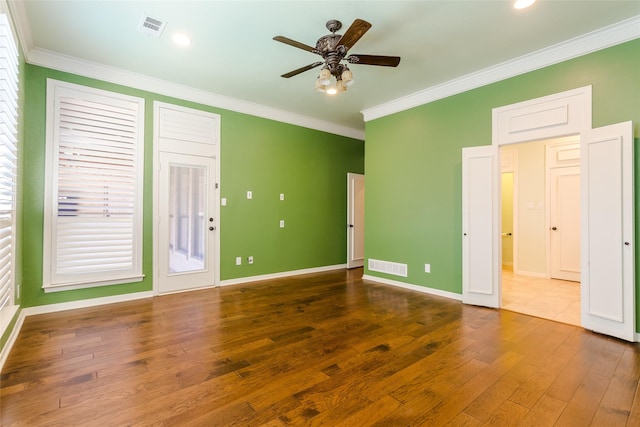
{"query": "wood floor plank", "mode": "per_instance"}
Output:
(320, 349)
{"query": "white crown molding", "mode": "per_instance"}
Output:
(612, 35)
(98, 71)
(49, 59)
(21, 23)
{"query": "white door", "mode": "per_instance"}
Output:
(564, 218)
(481, 226)
(355, 220)
(608, 285)
(186, 222)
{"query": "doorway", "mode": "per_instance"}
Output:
(355, 220)
(541, 200)
(607, 208)
(186, 199)
(186, 244)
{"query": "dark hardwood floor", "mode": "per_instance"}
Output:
(324, 349)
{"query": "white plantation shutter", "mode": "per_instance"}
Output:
(94, 155)
(8, 165)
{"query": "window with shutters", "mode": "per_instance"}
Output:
(93, 194)
(8, 169)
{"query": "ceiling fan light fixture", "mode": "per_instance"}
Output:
(325, 77)
(332, 90)
(319, 86)
(347, 78)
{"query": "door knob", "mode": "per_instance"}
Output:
(554, 228)
(210, 219)
(350, 225)
(211, 228)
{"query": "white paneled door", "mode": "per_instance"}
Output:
(481, 259)
(608, 285)
(355, 220)
(187, 223)
(564, 219)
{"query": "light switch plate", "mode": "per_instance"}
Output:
(249, 195)
(238, 260)
(223, 201)
(281, 196)
(282, 223)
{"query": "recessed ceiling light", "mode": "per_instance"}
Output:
(523, 4)
(181, 39)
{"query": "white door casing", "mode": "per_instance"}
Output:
(608, 282)
(355, 220)
(195, 134)
(481, 226)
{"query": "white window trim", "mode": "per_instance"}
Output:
(51, 283)
(8, 310)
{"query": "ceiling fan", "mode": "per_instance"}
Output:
(333, 49)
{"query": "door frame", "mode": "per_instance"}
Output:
(351, 179)
(509, 164)
(197, 147)
(554, 116)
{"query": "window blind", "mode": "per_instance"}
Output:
(97, 176)
(8, 158)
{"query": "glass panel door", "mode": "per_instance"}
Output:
(187, 225)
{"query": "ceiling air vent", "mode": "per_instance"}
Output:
(151, 26)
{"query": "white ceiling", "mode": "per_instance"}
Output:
(233, 53)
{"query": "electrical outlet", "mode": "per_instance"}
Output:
(238, 260)
(281, 196)
(427, 268)
(249, 195)
(250, 260)
(282, 223)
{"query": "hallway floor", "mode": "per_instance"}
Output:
(552, 299)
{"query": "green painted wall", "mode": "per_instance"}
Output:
(260, 155)
(414, 166)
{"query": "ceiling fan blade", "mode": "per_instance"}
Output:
(385, 61)
(353, 34)
(301, 70)
(294, 43)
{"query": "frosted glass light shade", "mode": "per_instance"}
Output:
(325, 76)
(347, 78)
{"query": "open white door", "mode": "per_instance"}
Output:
(481, 226)
(355, 220)
(608, 285)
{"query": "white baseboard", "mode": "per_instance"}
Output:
(86, 303)
(423, 289)
(281, 275)
(6, 349)
(531, 274)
